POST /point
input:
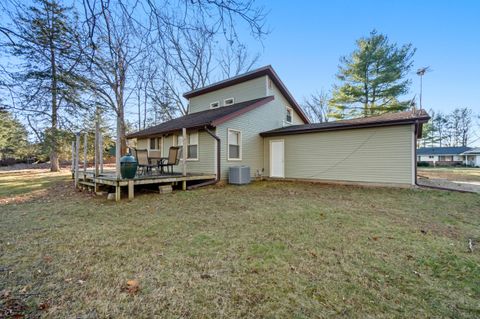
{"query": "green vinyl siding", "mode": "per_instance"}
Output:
(206, 156)
(245, 91)
(250, 124)
(206, 152)
(377, 155)
(283, 103)
(142, 144)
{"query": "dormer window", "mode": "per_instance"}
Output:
(229, 101)
(214, 105)
(288, 117)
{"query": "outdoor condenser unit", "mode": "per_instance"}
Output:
(239, 175)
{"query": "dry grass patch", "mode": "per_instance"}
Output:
(453, 174)
(270, 249)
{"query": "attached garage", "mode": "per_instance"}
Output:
(378, 150)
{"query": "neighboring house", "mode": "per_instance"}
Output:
(449, 156)
(252, 119)
(472, 157)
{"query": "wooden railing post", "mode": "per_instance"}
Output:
(77, 157)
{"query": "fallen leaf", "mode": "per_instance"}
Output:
(47, 258)
(375, 238)
(133, 286)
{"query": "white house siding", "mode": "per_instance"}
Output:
(371, 155)
(245, 91)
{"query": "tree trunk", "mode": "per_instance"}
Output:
(54, 164)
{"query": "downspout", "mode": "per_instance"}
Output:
(217, 176)
(430, 186)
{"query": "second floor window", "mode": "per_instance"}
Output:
(229, 101)
(288, 117)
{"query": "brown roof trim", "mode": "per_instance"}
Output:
(242, 111)
(266, 70)
(345, 127)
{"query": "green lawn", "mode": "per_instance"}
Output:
(270, 249)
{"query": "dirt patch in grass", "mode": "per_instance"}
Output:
(270, 249)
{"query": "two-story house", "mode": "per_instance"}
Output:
(252, 119)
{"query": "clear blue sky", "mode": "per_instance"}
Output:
(308, 37)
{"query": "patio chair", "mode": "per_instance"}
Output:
(174, 153)
(143, 162)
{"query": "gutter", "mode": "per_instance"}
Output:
(217, 176)
(416, 174)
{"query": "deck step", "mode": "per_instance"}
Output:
(87, 183)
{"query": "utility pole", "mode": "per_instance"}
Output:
(421, 72)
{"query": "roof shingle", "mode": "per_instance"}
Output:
(201, 119)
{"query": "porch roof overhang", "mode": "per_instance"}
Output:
(199, 120)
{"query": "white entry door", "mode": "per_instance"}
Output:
(277, 159)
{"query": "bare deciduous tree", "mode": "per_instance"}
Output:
(317, 107)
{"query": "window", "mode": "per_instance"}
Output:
(229, 101)
(153, 144)
(192, 147)
(430, 156)
(234, 145)
(214, 105)
(192, 151)
(288, 117)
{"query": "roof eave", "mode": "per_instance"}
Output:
(348, 127)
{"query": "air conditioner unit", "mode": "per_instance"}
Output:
(239, 175)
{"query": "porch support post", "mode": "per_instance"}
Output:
(73, 160)
(100, 149)
(184, 151)
(85, 162)
(97, 143)
(117, 192)
(130, 190)
(77, 157)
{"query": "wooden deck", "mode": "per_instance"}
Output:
(109, 178)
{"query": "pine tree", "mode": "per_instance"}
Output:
(13, 136)
(372, 78)
(48, 45)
